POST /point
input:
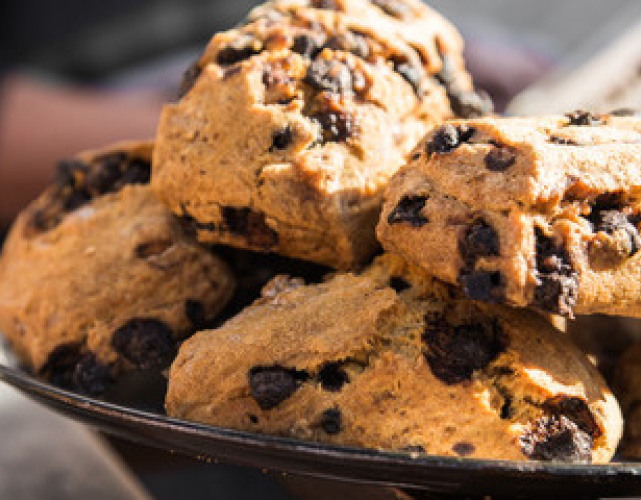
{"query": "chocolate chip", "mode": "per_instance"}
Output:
(413, 448)
(409, 210)
(332, 421)
(146, 343)
(469, 104)
(325, 4)
(411, 71)
(393, 8)
(448, 138)
(68, 171)
(463, 449)
(583, 119)
(349, 42)
(562, 141)
(270, 386)
(239, 50)
(500, 158)
(253, 419)
(399, 284)
(577, 410)
(480, 240)
(557, 438)
(111, 172)
(625, 113)
(76, 199)
(136, 171)
(306, 46)
(454, 353)
(60, 365)
(251, 225)
(282, 140)
(332, 377)
(329, 76)
(90, 376)
(195, 312)
(624, 241)
(189, 78)
(507, 410)
(558, 283)
(335, 126)
(487, 286)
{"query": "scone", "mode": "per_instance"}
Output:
(392, 360)
(534, 212)
(627, 385)
(97, 278)
(291, 126)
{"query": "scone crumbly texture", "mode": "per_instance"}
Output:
(392, 360)
(291, 125)
(534, 212)
(97, 278)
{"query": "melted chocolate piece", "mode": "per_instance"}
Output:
(448, 138)
(454, 353)
(146, 343)
(270, 386)
(332, 377)
(408, 211)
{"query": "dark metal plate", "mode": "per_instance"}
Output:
(436, 474)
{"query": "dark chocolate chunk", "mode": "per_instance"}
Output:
(60, 365)
(272, 385)
(577, 410)
(463, 449)
(500, 158)
(480, 240)
(239, 50)
(409, 210)
(195, 312)
(325, 4)
(146, 343)
(626, 240)
(189, 78)
(455, 352)
(329, 76)
(558, 283)
(332, 421)
(448, 138)
(332, 377)
(411, 71)
(399, 284)
(335, 126)
(581, 118)
(626, 113)
(349, 42)
(306, 46)
(282, 139)
(90, 376)
(562, 141)
(394, 8)
(487, 286)
(469, 104)
(251, 225)
(68, 171)
(557, 438)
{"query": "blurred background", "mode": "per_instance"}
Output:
(77, 74)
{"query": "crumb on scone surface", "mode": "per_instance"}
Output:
(534, 212)
(291, 125)
(395, 361)
(97, 278)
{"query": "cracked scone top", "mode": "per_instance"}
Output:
(96, 277)
(391, 360)
(541, 212)
(290, 126)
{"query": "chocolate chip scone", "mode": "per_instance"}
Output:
(392, 360)
(290, 126)
(97, 278)
(540, 212)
